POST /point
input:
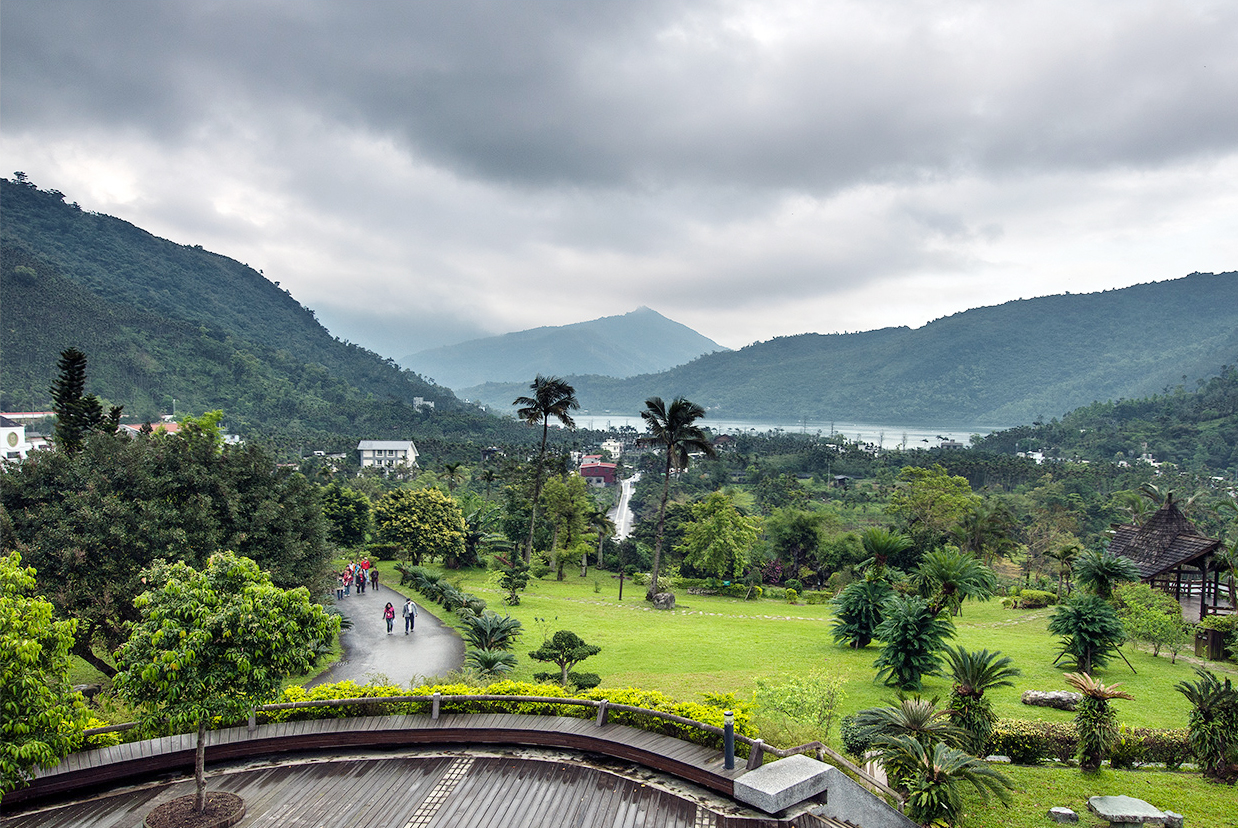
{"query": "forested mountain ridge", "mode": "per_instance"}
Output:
(1012, 363)
(162, 321)
(639, 342)
(1196, 428)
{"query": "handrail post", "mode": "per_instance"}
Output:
(253, 719)
(434, 706)
(603, 712)
(757, 755)
(728, 740)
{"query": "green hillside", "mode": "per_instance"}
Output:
(1013, 363)
(162, 322)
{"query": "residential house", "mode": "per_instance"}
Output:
(388, 454)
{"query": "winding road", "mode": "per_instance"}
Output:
(370, 654)
(622, 513)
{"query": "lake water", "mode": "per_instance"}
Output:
(887, 436)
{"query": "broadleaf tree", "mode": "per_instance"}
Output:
(719, 539)
(422, 522)
(215, 643)
(40, 715)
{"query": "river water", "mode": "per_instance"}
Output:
(886, 436)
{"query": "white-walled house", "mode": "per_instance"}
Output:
(388, 454)
(13, 444)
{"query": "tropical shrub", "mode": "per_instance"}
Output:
(490, 663)
(914, 634)
(934, 778)
(490, 631)
(1095, 721)
(858, 612)
(811, 698)
(566, 649)
(1100, 571)
(1090, 631)
(1153, 617)
(1029, 599)
(973, 673)
(1213, 722)
(1031, 742)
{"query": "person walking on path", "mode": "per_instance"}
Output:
(410, 615)
(374, 579)
(389, 614)
(360, 581)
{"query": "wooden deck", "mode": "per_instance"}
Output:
(406, 792)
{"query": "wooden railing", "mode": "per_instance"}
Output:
(757, 747)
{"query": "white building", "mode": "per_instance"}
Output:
(13, 444)
(615, 447)
(388, 454)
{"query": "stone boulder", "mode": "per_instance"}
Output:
(1061, 815)
(1060, 699)
(664, 601)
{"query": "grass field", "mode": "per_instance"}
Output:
(1204, 804)
(718, 644)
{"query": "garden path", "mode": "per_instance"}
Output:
(432, 649)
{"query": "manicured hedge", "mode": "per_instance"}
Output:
(1031, 742)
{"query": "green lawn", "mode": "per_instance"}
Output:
(722, 644)
(1204, 804)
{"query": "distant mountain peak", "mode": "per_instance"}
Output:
(641, 341)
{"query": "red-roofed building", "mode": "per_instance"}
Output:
(598, 474)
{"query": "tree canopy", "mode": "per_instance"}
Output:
(40, 715)
(719, 539)
(421, 522)
(216, 642)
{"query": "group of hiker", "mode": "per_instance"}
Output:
(356, 574)
(361, 573)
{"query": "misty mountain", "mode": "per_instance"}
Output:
(166, 325)
(641, 342)
(995, 366)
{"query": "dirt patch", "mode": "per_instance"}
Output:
(222, 810)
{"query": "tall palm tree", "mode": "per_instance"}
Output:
(600, 522)
(674, 428)
(1065, 556)
(454, 474)
(552, 397)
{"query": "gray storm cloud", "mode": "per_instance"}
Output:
(751, 169)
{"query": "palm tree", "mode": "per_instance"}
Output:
(973, 673)
(491, 631)
(674, 429)
(1095, 720)
(986, 530)
(490, 664)
(488, 476)
(600, 522)
(552, 397)
(1213, 721)
(1065, 556)
(454, 474)
(881, 545)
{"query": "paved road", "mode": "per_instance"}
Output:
(622, 513)
(432, 649)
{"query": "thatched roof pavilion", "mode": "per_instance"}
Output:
(1174, 557)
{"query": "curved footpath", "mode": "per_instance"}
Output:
(432, 649)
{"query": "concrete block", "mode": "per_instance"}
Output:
(779, 785)
(848, 801)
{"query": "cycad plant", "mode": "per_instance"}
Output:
(936, 775)
(946, 577)
(857, 611)
(1099, 572)
(914, 717)
(1213, 723)
(491, 631)
(973, 673)
(490, 664)
(914, 633)
(1095, 720)
(1090, 630)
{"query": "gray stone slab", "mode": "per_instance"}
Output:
(1124, 810)
(1063, 815)
(781, 784)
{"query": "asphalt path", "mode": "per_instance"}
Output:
(622, 513)
(431, 649)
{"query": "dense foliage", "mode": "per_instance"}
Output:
(40, 715)
(90, 522)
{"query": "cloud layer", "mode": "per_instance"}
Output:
(422, 173)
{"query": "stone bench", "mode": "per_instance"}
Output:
(1128, 812)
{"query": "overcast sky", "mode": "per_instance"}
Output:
(424, 173)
